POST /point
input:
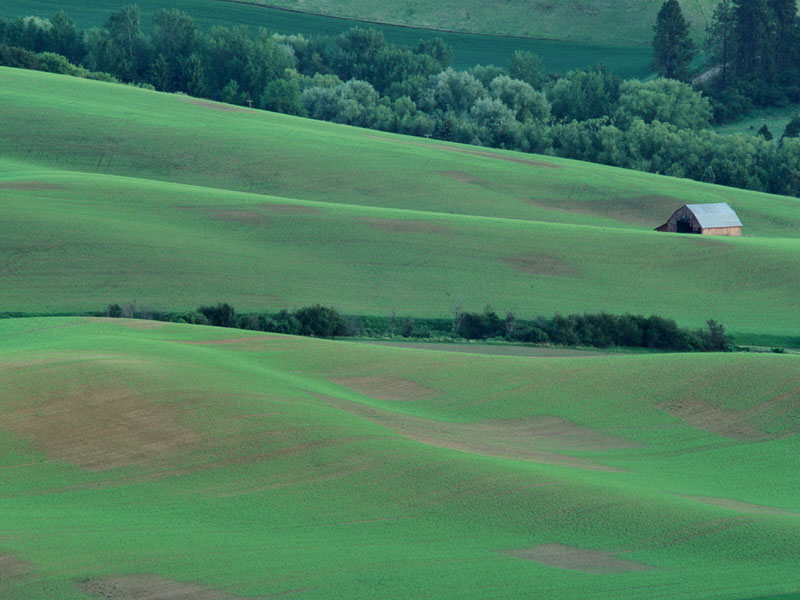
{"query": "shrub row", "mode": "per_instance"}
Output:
(601, 330)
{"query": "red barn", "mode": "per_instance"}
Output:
(705, 219)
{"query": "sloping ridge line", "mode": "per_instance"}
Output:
(421, 28)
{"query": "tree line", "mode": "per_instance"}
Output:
(358, 78)
(600, 330)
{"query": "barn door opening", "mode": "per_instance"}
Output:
(684, 225)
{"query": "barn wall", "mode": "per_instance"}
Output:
(672, 224)
(723, 231)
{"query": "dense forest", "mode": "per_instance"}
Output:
(661, 126)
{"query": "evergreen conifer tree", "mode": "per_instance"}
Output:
(672, 46)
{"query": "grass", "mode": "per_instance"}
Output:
(221, 461)
(315, 212)
(775, 118)
(626, 59)
(629, 21)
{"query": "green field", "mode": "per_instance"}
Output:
(775, 118)
(145, 460)
(626, 59)
(116, 194)
(626, 21)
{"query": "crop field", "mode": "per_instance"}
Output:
(626, 59)
(115, 194)
(584, 20)
(150, 460)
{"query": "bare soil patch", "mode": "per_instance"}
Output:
(742, 507)
(249, 217)
(539, 264)
(404, 226)
(553, 432)
(99, 428)
(505, 439)
(577, 559)
(464, 178)
(265, 339)
(149, 587)
(142, 324)
(29, 185)
(735, 424)
(218, 106)
(291, 209)
(388, 388)
(11, 567)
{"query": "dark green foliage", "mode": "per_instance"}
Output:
(792, 129)
(673, 49)
(357, 78)
(527, 67)
(582, 95)
(221, 315)
(114, 311)
(721, 39)
(765, 132)
(320, 321)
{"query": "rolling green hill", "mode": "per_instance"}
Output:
(627, 58)
(115, 194)
(628, 21)
(147, 460)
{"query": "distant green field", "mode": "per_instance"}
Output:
(774, 118)
(625, 21)
(96, 207)
(624, 58)
(143, 460)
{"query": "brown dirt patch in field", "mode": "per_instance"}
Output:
(248, 217)
(464, 178)
(149, 587)
(245, 341)
(218, 106)
(388, 388)
(735, 424)
(505, 439)
(290, 209)
(539, 264)
(29, 185)
(404, 226)
(553, 432)
(577, 559)
(142, 324)
(742, 507)
(99, 428)
(11, 567)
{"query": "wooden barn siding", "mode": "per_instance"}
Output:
(723, 231)
(671, 226)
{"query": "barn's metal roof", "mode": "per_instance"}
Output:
(715, 215)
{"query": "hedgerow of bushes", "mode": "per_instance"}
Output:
(600, 330)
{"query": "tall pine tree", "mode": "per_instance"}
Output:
(784, 12)
(672, 47)
(755, 34)
(721, 39)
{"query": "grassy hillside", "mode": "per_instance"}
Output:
(141, 459)
(626, 58)
(369, 223)
(628, 21)
(775, 118)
